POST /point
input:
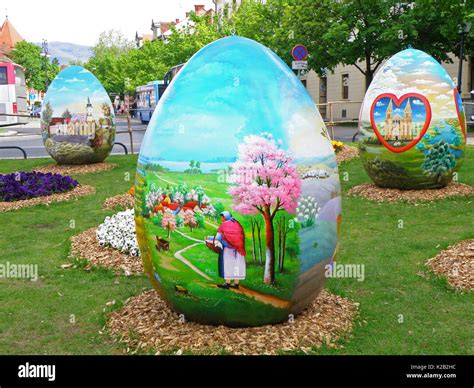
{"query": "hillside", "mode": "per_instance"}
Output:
(66, 52)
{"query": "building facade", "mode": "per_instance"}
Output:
(162, 29)
(345, 89)
(9, 37)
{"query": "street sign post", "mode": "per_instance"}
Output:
(299, 65)
(299, 52)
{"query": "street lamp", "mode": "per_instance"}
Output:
(45, 54)
(463, 30)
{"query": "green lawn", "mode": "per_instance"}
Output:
(35, 318)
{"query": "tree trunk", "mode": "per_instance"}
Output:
(285, 233)
(259, 242)
(269, 275)
(169, 232)
(369, 74)
(252, 224)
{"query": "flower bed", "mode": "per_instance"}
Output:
(26, 185)
(119, 232)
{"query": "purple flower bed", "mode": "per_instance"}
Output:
(25, 185)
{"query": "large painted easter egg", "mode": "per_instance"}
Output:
(412, 125)
(77, 118)
(237, 190)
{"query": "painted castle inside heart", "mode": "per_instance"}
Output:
(412, 124)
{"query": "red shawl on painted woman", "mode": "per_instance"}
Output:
(233, 233)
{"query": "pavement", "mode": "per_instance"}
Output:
(29, 138)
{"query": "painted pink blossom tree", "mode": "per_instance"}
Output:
(265, 182)
(190, 219)
(168, 221)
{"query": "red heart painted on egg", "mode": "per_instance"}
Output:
(400, 133)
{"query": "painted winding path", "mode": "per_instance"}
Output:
(261, 297)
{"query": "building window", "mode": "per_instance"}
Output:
(344, 113)
(3, 76)
(345, 86)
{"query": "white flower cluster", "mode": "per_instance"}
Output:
(307, 210)
(119, 233)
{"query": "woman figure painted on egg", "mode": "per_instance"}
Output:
(231, 262)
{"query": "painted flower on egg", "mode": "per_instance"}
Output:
(412, 124)
(237, 194)
(77, 119)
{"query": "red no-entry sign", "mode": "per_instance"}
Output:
(299, 52)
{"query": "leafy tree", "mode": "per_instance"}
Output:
(439, 161)
(219, 208)
(46, 116)
(168, 221)
(107, 62)
(38, 70)
(190, 220)
(365, 33)
(268, 23)
(66, 114)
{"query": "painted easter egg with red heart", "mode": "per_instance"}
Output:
(412, 124)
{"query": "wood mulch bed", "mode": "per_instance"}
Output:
(147, 324)
(121, 201)
(374, 193)
(85, 246)
(78, 191)
(346, 153)
(75, 169)
(457, 264)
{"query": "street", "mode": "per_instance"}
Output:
(30, 140)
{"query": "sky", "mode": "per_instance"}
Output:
(232, 88)
(70, 90)
(417, 107)
(82, 22)
(413, 71)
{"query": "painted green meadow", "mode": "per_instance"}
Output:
(192, 285)
(404, 308)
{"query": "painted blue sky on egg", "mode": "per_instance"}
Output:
(232, 88)
(414, 71)
(70, 90)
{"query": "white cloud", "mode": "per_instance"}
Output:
(64, 89)
(84, 71)
(441, 85)
(419, 115)
(429, 63)
(421, 72)
(417, 102)
(422, 81)
(380, 103)
(377, 114)
(71, 80)
(442, 97)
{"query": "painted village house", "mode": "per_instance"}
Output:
(77, 124)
